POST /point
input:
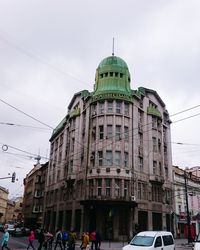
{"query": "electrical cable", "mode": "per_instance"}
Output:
(186, 118)
(35, 119)
(20, 125)
(180, 112)
(39, 59)
(81, 143)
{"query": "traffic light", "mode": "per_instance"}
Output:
(13, 177)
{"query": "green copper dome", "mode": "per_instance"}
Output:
(112, 77)
(113, 61)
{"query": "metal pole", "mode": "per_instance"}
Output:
(2, 178)
(187, 207)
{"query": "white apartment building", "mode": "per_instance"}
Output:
(190, 185)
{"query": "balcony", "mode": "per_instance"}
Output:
(156, 178)
(103, 200)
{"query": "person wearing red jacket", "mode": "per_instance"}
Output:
(93, 239)
(31, 238)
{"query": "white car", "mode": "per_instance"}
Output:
(151, 240)
(10, 228)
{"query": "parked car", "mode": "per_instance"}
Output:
(151, 240)
(10, 228)
(17, 232)
(26, 231)
(21, 231)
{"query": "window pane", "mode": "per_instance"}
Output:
(109, 131)
(117, 158)
(108, 158)
(110, 107)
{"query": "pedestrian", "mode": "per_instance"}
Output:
(41, 239)
(58, 239)
(64, 238)
(47, 243)
(85, 241)
(5, 239)
(31, 238)
(72, 240)
(178, 233)
(98, 240)
(93, 239)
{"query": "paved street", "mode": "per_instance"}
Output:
(20, 243)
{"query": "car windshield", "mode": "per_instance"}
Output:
(11, 226)
(145, 241)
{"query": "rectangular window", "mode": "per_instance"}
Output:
(139, 191)
(94, 133)
(126, 159)
(117, 187)
(108, 187)
(166, 173)
(91, 188)
(117, 158)
(110, 107)
(140, 159)
(118, 132)
(154, 167)
(157, 193)
(140, 140)
(125, 188)
(71, 166)
(72, 144)
(126, 109)
(159, 146)
(126, 133)
(118, 107)
(154, 122)
(99, 187)
(73, 124)
(140, 117)
(109, 158)
(109, 131)
(101, 132)
(154, 144)
(160, 169)
(101, 108)
(100, 158)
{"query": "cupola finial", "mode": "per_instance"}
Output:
(113, 47)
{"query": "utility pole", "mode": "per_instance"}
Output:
(187, 208)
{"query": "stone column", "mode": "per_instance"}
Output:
(150, 222)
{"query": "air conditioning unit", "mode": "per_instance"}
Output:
(92, 157)
(133, 198)
(140, 128)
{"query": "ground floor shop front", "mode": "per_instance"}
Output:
(114, 220)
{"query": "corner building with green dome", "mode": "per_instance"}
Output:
(110, 166)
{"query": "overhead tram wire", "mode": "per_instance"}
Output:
(39, 59)
(115, 136)
(185, 110)
(186, 118)
(95, 143)
(35, 119)
(25, 126)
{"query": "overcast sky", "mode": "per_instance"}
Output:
(50, 50)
